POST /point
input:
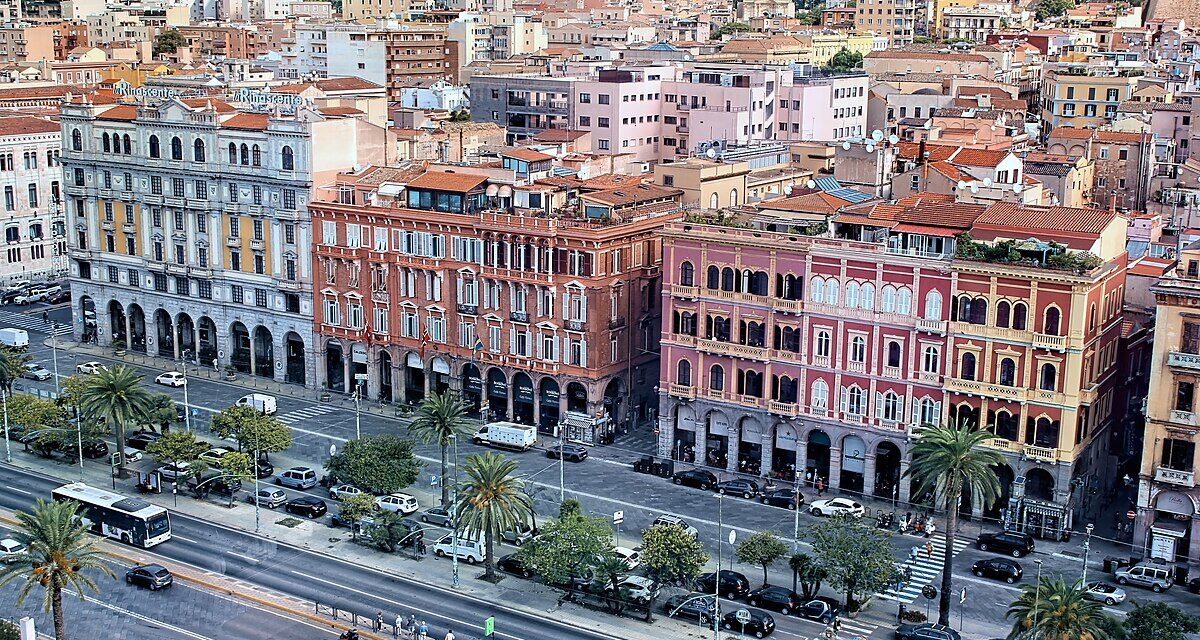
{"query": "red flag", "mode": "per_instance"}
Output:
(425, 339)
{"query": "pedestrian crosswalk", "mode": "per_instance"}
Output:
(32, 322)
(925, 567)
(292, 417)
(850, 629)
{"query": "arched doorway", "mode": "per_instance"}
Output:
(612, 400)
(522, 398)
(887, 471)
(497, 394)
(137, 328)
(783, 456)
(548, 411)
(1170, 530)
(185, 336)
(264, 352)
(335, 367)
(164, 333)
(440, 383)
(384, 367)
(116, 322)
(1004, 474)
(684, 445)
(577, 400)
(293, 349)
(817, 465)
(716, 445)
(239, 345)
(854, 464)
(749, 446)
(1039, 485)
(206, 333)
(472, 387)
(414, 379)
(87, 318)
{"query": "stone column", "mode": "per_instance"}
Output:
(869, 475)
(834, 481)
(801, 457)
(279, 356)
(347, 377)
(731, 449)
(537, 407)
(905, 483)
(128, 333)
(175, 338)
(768, 448)
(253, 358)
(374, 380)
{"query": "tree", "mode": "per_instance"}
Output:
(762, 548)
(162, 412)
(946, 461)
(1047, 9)
(179, 449)
(672, 555)
(810, 16)
(492, 499)
(845, 60)
(168, 42)
(440, 418)
(237, 466)
(116, 397)
(569, 508)
(730, 28)
(12, 365)
(42, 416)
(253, 430)
(567, 547)
(1060, 610)
(1159, 621)
(60, 554)
(357, 507)
(610, 571)
(808, 572)
(387, 530)
(9, 631)
(922, 40)
(854, 556)
(376, 464)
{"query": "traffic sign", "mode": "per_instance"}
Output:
(962, 597)
(1131, 514)
(732, 535)
(489, 626)
(618, 517)
(929, 592)
(742, 616)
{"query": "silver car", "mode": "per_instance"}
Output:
(1104, 592)
(10, 550)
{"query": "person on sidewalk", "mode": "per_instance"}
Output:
(378, 621)
(914, 553)
(930, 529)
(397, 625)
(423, 630)
(450, 634)
(820, 486)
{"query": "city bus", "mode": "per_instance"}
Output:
(130, 520)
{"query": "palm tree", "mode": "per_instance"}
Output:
(1058, 611)
(58, 554)
(440, 418)
(947, 461)
(117, 397)
(491, 500)
(12, 365)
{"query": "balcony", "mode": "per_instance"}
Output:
(788, 306)
(893, 373)
(616, 323)
(1046, 341)
(289, 285)
(256, 245)
(1003, 444)
(684, 291)
(820, 361)
(681, 339)
(1175, 477)
(734, 349)
(735, 296)
(1183, 417)
(927, 376)
(1041, 454)
(576, 325)
(931, 326)
(790, 409)
(999, 391)
(518, 316)
(468, 309)
(681, 391)
(787, 355)
(380, 296)
(233, 241)
(856, 367)
(1183, 360)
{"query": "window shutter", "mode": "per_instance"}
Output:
(540, 355)
(916, 411)
(512, 341)
(878, 404)
(845, 399)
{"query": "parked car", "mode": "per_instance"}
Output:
(738, 487)
(260, 402)
(215, 483)
(55, 297)
(698, 478)
(213, 456)
(999, 568)
(469, 551)
(17, 289)
(1109, 594)
(10, 550)
(518, 536)
(297, 478)
(1008, 542)
(263, 469)
(141, 439)
(171, 379)
(783, 498)
(774, 598)
(149, 576)
(90, 368)
(341, 491)
(630, 557)
(1153, 575)
(693, 606)
(759, 624)
(837, 507)
(35, 371)
(513, 564)
(926, 631)
(733, 584)
(570, 451)
(818, 610)
(175, 471)
(93, 449)
(640, 588)
(1193, 585)
(439, 516)
(268, 497)
(667, 519)
(401, 503)
(309, 506)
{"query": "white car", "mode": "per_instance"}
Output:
(632, 558)
(837, 507)
(343, 491)
(10, 550)
(213, 456)
(175, 471)
(641, 589)
(171, 379)
(401, 503)
(90, 367)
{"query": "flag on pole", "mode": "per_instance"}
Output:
(478, 346)
(425, 339)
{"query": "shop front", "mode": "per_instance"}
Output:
(1171, 529)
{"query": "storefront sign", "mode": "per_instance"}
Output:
(473, 384)
(549, 396)
(261, 97)
(358, 353)
(498, 388)
(124, 89)
(523, 394)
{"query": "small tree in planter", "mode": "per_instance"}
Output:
(118, 347)
(230, 372)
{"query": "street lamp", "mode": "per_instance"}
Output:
(357, 408)
(187, 406)
(454, 515)
(717, 574)
(7, 444)
(54, 351)
(1037, 595)
(562, 470)
(1087, 546)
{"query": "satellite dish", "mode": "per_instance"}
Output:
(846, 145)
(877, 135)
(1018, 188)
(962, 184)
(711, 153)
(893, 139)
(787, 191)
(811, 184)
(987, 182)
(974, 188)
(870, 148)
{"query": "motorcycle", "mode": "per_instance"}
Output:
(885, 521)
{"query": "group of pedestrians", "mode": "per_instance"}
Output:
(402, 628)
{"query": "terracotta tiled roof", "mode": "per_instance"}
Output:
(1072, 133)
(930, 54)
(925, 197)
(25, 125)
(1120, 137)
(202, 103)
(339, 111)
(528, 155)
(125, 112)
(911, 150)
(632, 194)
(813, 202)
(950, 171)
(979, 157)
(448, 181)
(559, 135)
(611, 181)
(247, 121)
(329, 85)
(1026, 218)
(47, 91)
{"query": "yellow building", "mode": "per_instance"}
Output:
(1081, 97)
(706, 183)
(135, 74)
(823, 47)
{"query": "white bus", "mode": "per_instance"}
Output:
(130, 520)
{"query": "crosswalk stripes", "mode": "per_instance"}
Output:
(855, 629)
(925, 569)
(31, 322)
(292, 417)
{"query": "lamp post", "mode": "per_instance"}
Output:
(717, 574)
(7, 444)
(1037, 595)
(454, 516)
(357, 409)
(1087, 546)
(54, 351)
(795, 511)
(562, 471)
(187, 406)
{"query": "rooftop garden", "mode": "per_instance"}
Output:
(1032, 253)
(717, 218)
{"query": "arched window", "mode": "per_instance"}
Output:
(287, 159)
(104, 141)
(1049, 378)
(733, 197)
(683, 375)
(1008, 372)
(232, 153)
(854, 401)
(245, 155)
(967, 370)
(716, 378)
(687, 274)
(893, 354)
(931, 359)
(929, 411)
(76, 140)
(962, 309)
(714, 277)
(816, 289)
(904, 301)
(858, 349)
(933, 305)
(831, 292)
(198, 150)
(728, 279)
(888, 406)
(1006, 425)
(1003, 311)
(126, 145)
(852, 294)
(155, 152)
(1050, 327)
(818, 399)
(887, 299)
(979, 311)
(1092, 317)
(754, 384)
(176, 148)
(257, 156)
(713, 201)
(1020, 313)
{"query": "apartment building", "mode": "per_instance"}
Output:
(305, 54)
(791, 349)
(440, 283)
(1084, 96)
(391, 53)
(24, 42)
(190, 235)
(897, 20)
(483, 37)
(31, 179)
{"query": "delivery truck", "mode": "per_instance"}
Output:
(507, 435)
(14, 338)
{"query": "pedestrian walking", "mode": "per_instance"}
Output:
(378, 621)
(820, 486)
(423, 630)
(397, 625)
(928, 549)
(421, 548)
(907, 574)
(450, 634)
(914, 553)
(837, 624)
(412, 624)
(929, 530)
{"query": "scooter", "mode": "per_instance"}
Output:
(885, 521)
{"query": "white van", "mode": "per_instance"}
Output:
(469, 551)
(14, 338)
(261, 402)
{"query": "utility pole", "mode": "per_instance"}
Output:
(562, 471)
(7, 444)
(54, 348)
(454, 516)
(717, 574)
(1087, 546)
(187, 406)
(1037, 595)
(357, 410)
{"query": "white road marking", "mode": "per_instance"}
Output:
(243, 557)
(20, 491)
(144, 618)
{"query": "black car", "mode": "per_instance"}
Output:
(512, 563)
(698, 478)
(760, 624)
(571, 452)
(926, 631)
(149, 576)
(778, 599)
(820, 610)
(733, 584)
(783, 498)
(92, 449)
(693, 606)
(263, 469)
(739, 487)
(1007, 542)
(214, 483)
(306, 506)
(141, 439)
(1000, 568)
(11, 294)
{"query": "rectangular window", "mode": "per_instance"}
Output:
(1184, 396)
(1191, 338)
(237, 294)
(177, 187)
(233, 192)
(204, 289)
(494, 339)
(182, 286)
(201, 223)
(260, 298)
(201, 187)
(328, 233)
(135, 280)
(156, 186)
(289, 199)
(160, 282)
(257, 229)
(259, 264)
(114, 274)
(178, 217)
(235, 260)
(180, 254)
(235, 227)
(257, 194)
(289, 233)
